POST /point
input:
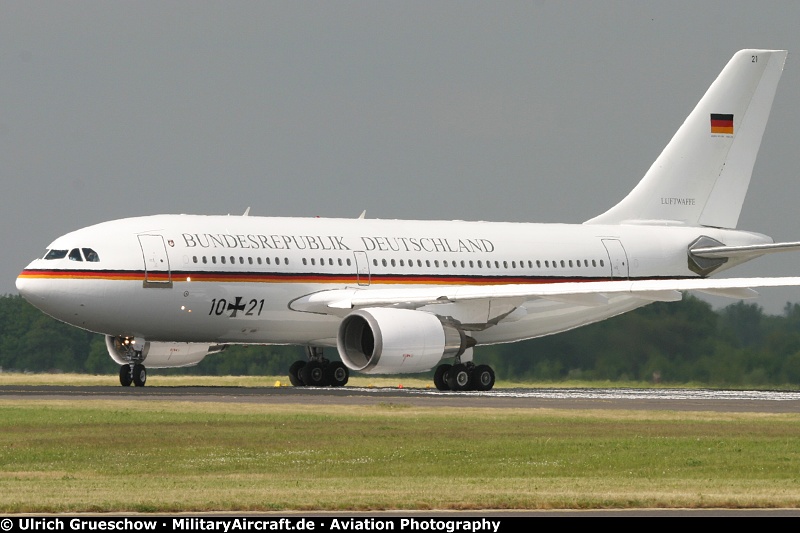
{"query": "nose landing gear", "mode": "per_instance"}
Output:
(132, 371)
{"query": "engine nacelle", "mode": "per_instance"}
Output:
(396, 341)
(125, 350)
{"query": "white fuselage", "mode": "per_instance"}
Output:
(233, 279)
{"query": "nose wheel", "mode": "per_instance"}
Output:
(136, 374)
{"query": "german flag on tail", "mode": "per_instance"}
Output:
(721, 123)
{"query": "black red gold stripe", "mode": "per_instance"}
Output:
(303, 277)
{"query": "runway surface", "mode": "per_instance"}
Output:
(588, 398)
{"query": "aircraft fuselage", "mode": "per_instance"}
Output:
(228, 279)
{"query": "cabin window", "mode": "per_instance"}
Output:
(312, 261)
(204, 260)
(348, 262)
(470, 264)
(305, 261)
(444, 263)
(427, 262)
(570, 263)
(602, 263)
(538, 264)
(340, 261)
(214, 259)
(250, 260)
(222, 259)
(194, 259)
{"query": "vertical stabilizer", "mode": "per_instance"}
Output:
(701, 177)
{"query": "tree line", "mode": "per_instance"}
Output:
(680, 342)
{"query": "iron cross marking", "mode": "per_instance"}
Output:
(236, 307)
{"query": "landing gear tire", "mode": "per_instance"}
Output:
(294, 373)
(440, 377)
(458, 378)
(337, 374)
(482, 378)
(139, 375)
(125, 376)
(313, 374)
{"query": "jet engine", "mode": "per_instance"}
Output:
(126, 350)
(396, 341)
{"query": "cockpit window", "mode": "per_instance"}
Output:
(55, 254)
(75, 255)
(90, 255)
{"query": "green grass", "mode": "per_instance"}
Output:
(117, 455)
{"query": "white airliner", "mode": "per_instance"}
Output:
(404, 296)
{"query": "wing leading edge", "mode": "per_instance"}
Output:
(587, 293)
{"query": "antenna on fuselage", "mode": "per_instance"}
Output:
(363, 214)
(246, 212)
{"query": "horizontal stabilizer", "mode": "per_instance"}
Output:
(745, 252)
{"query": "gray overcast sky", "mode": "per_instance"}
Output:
(523, 111)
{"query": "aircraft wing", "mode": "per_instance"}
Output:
(582, 293)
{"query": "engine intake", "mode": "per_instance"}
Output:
(396, 341)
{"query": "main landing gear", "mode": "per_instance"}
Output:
(464, 377)
(318, 371)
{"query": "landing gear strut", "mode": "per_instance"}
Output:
(318, 371)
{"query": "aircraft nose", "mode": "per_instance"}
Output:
(25, 288)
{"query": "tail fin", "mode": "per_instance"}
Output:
(701, 177)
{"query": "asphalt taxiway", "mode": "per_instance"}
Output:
(552, 398)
